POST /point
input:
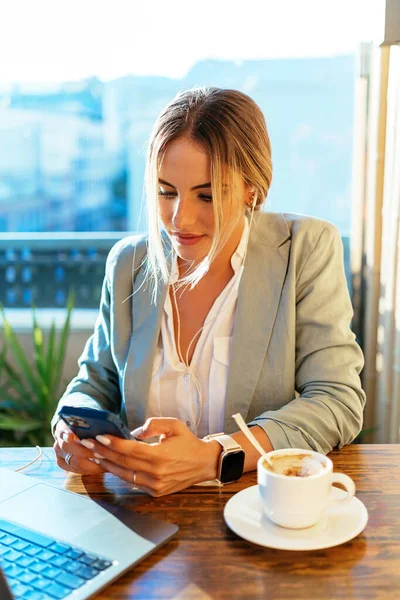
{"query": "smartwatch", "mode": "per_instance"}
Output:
(231, 460)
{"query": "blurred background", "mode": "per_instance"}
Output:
(81, 84)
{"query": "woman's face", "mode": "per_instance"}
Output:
(185, 202)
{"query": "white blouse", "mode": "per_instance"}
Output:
(173, 389)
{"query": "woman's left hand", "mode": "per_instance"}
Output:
(178, 460)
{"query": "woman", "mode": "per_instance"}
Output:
(223, 309)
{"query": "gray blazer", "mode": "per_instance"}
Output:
(294, 364)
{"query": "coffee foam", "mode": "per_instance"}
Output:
(295, 465)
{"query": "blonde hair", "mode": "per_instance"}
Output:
(231, 128)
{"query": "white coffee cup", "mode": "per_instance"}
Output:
(299, 500)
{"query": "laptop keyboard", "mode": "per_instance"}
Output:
(38, 567)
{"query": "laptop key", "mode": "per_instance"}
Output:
(13, 555)
(87, 572)
(71, 581)
(59, 561)
(34, 595)
(38, 567)
(51, 572)
(20, 545)
(41, 584)
(32, 550)
(73, 567)
(19, 590)
(58, 591)
(26, 534)
(25, 561)
(101, 564)
(46, 555)
(12, 570)
(27, 577)
(9, 539)
(72, 553)
(88, 559)
(59, 548)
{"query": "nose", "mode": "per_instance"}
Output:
(184, 216)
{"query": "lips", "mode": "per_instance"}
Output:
(187, 239)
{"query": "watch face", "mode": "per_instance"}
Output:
(232, 466)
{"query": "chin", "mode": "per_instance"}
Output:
(190, 256)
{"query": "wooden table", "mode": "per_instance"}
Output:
(206, 560)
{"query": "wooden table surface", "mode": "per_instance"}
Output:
(206, 560)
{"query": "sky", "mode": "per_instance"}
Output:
(60, 40)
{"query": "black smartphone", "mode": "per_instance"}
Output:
(89, 422)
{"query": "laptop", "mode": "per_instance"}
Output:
(56, 544)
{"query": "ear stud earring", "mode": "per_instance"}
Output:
(251, 203)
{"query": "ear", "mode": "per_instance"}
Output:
(251, 197)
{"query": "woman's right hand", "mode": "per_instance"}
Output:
(66, 442)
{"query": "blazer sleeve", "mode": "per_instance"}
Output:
(328, 409)
(97, 382)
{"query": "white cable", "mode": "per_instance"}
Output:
(186, 362)
(178, 344)
(38, 448)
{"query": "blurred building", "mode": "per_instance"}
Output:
(72, 156)
(56, 172)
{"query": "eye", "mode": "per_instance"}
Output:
(205, 197)
(166, 194)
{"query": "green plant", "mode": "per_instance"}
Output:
(29, 389)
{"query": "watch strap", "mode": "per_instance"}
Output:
(226, 441)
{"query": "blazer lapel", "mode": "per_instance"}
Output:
(258, 300)
(146, 323)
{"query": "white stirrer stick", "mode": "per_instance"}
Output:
(246, 430)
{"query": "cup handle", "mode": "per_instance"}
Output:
(347, 483)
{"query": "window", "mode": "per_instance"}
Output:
(79, 96)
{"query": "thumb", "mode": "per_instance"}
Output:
(63, 432)
(163, 426)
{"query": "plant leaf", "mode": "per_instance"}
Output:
(15, 423)
(62, 345)
(19, 404)
(28, 391)
(38, 346)
(14, 380)
(18, 352)
(22, 401)
(2, 357)
(50, 360)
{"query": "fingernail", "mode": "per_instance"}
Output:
(103, 440)
(99, 456)
(87, 444)
(136, 432)
(92, 459)
(65, 437)
(96, 461)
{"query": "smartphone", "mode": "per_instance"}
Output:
(89, 422)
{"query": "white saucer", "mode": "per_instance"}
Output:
(244, 514)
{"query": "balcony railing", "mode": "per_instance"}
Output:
(40, 269)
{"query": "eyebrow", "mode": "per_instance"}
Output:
(196, 187)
